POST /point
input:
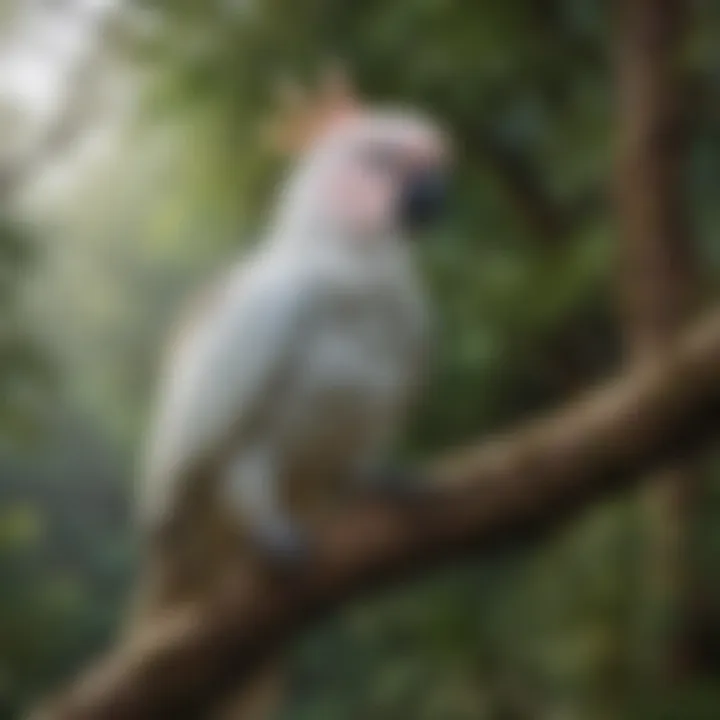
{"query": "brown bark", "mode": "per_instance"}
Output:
(499, 493)
(658, 277)
(657, 271)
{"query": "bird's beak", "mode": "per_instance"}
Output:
(424, 197)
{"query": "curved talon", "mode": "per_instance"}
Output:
(399, 485)
(285, 547)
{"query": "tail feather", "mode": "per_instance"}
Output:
(183, 562)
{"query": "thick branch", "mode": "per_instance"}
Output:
(495, 494)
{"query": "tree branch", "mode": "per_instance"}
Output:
(496, 494)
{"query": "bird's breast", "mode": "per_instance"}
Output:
(350, 375)
(351, 378)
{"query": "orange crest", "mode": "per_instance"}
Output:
(304, 116)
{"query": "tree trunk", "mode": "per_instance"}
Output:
(657, 280)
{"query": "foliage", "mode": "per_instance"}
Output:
(523, 275)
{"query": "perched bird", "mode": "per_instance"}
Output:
(290, 380)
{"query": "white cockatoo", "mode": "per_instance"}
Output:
(291, 379)
(293, 376)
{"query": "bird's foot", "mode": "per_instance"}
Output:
(397, 485)
(284, 547)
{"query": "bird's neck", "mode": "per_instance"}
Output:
(308, 230)
(305, 218)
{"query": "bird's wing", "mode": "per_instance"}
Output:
(222, 372)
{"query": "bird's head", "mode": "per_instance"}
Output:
(360, 172)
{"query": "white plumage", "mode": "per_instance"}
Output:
(294, 376)
(306, 358)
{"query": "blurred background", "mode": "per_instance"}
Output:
(130, 170)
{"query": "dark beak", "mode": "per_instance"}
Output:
(424, 198)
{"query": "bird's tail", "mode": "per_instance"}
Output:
(182, 565)
(260, 697)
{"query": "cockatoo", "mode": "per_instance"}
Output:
(289, 383)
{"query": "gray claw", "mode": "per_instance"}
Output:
(400, 485)
(284, 546)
